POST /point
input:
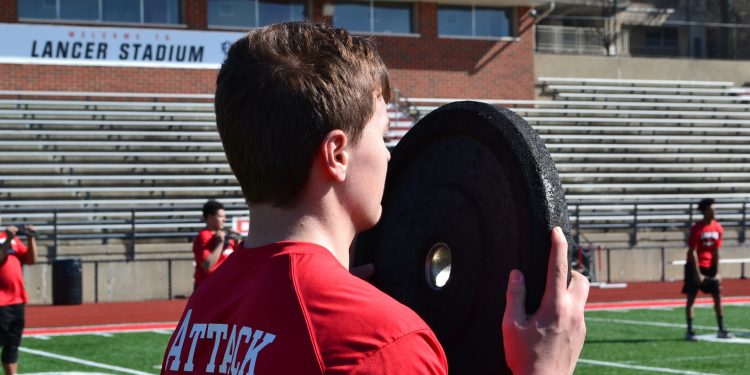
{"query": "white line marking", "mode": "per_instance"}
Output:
(659, 324)
(713, 338)
(163, 332)
(704, 357)
(40, 337)
(643, 368)
(94, 333)
(81, 361)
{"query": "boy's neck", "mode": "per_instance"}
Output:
(299, 224)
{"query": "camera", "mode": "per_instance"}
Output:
(23, 230)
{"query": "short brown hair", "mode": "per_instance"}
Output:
(281, 89)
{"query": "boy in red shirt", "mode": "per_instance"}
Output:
(13, 255)
(301, 110)
(212, 245)
(702, 267)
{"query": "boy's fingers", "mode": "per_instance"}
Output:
(557, 268)
(515, 297)
(579, 288)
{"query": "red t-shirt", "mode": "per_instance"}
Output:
(202, 248)
(706, 239)
(12, 291)
(292, 308)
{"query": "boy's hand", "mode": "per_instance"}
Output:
(550, 341)
(11, 230)
(218, 237)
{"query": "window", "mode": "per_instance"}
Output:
(663, 37)
(475, 21)
(46, 9)
(374, 17)
(254, 13)
(129, 11)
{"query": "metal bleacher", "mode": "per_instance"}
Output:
(638, 154)
(114, 167)
(129, 167)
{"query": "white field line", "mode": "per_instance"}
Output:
(81, 361)
(691, 358)
(642, 368)
(102, 334)
(629, 310)
(659, 324)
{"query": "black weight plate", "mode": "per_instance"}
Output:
(478, 179)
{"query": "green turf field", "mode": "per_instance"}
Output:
(618, 342)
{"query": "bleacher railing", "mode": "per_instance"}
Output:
(182, 223)
(635, 217)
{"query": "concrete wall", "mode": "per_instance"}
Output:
(554, 65)
(630, 265)
(117, 281)
(147, 279)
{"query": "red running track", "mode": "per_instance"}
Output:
(40, 316)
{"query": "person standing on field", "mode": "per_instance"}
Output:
(13, 298)
(212, 245)
(702, 267)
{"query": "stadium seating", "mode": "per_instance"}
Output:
(103, 165)
(113, 165)
(660, 145)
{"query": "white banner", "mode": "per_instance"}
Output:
(109, 46)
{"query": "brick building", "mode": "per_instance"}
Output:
(446, 49)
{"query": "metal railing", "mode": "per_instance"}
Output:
(128, 225)
(632, 217)
(133, 224)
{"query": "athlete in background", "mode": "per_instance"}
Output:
(212, 245)
(702, 267)
(13, 298)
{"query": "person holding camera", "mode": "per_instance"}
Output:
(702, 267)
(212, 245)
(13, 298)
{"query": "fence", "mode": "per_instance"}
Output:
(182, 223)
(636, 216)
(139, 272)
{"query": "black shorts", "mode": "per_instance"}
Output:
(12, 321)
(691, 286)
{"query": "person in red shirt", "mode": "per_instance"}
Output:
(13, 255)
(213, 245)
(702, 267)
(301, 111)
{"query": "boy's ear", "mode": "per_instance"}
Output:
(335, 156)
